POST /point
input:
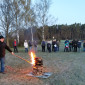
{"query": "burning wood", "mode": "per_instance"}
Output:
(37, 62)
(38, 67)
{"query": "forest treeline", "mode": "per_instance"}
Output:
(61, 32)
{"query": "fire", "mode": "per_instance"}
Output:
(33, 58)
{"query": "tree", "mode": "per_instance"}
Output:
(42, 8)
(16, 15)
(28, 15)
(6, 17)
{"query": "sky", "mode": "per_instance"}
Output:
(68, 11)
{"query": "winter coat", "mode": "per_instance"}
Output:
(43, 43)
(25, 44)
(30, 43)
(3, 46)
(79, 44)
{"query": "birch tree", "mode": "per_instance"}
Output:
(42, 9)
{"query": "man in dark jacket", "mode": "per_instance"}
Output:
(3, 46)
(30, 44)
(75, 42)
(49, 46)
(43, 44)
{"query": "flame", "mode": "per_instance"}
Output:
(33, 58)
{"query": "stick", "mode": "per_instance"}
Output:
(22, 58)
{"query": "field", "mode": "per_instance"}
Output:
(68, 68)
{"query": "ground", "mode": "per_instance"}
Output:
(68, 68)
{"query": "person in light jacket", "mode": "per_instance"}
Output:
(26, 46)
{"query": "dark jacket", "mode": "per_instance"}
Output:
(3, 46)
(84, 45)
(30, 43)
(79, 44)
(43, 43)
(74, 42)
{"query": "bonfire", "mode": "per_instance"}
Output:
(37, 63)
(37, 66)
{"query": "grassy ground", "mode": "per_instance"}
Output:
(68, 68)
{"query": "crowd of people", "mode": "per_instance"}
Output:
(73, 46)
(52, 45)
(26, 45)
(70, 45)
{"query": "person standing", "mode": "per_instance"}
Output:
(58, 44)
(66, 49)
(84, 46)
(53, 43)
(30, 44)
(70, 46)
(3, 46)
(43, 44)
(79, 46)
(26, 46)
(35, 46)
(15, 46)
(49, 46)
(75, 44)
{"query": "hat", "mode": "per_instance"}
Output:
(1, 37)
